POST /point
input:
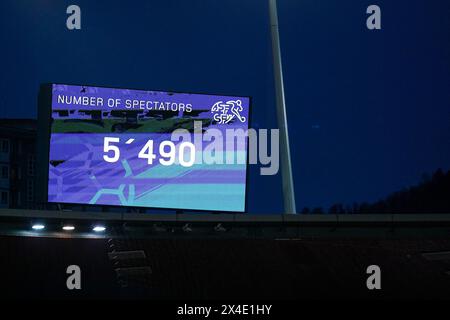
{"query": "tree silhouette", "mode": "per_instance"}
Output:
(431, 195)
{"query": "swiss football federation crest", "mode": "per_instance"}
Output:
(224, 112)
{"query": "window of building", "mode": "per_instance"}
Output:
(4, 197)
(4, 172)
(30, 190)
(4, 146)
(31, 164)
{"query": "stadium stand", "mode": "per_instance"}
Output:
(223, 269)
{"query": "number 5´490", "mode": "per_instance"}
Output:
(167, 151)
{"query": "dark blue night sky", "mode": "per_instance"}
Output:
(369, 111)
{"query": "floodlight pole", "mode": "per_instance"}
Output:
(285, 154)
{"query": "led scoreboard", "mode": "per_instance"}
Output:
(124, 147)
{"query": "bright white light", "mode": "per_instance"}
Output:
(38, 227)
(68, 228)
(99, 228)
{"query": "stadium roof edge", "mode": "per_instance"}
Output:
(229, 218)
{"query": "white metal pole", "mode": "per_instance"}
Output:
(285, 154)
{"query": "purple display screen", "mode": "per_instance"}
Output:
(147, 149)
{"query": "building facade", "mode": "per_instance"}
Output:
(17, 163)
